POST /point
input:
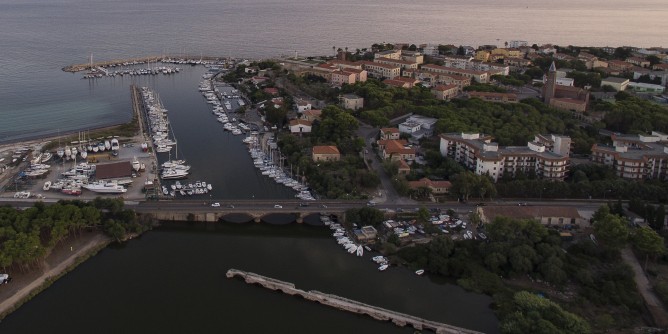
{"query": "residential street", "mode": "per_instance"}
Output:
(387, 193)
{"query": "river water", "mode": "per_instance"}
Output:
(172, 280)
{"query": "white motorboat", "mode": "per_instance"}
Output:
(136, 165)
(74, 151)
(107, 145)
(360, 251)
(83, 154)
(114, 144)
(383, 267)
(419, 272)
(105, 188)
(68, 152)
(46, 157)
(47, 185)
(101, 147)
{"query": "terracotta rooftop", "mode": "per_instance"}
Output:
(325, 150)
(300, 122)
(389, 130)
(443, 88)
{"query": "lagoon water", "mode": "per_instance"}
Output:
(172, 280)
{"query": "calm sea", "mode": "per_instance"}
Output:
(38, 37)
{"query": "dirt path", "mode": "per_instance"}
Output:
(57, 262)
(653, 303)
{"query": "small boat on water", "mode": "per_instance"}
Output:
(107, 145)
(419, 272)
(360, 251)
(383, 267)
(47, 185)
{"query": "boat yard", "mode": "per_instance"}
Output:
(69, 172)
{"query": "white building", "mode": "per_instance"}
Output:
(418, 126)
(517, 44)
(480, 154)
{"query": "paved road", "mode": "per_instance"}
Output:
(388, 194)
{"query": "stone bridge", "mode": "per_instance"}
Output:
(378, 313)
(255, 210)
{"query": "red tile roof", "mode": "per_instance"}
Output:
(325, 150)
(443, 88)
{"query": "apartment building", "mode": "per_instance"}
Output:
(635, 156)
(445, 92)
(381, 71)
(392, 54)
(456, 61)
(478, 153)
(403, 64)
(478, 76)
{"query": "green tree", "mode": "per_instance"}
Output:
(659, 218)
(612, 231)
(536, 314)
(648, 242)
(423, 215)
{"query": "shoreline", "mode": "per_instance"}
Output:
(29, 287)
(41, 141)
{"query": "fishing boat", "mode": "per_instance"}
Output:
(419, 272)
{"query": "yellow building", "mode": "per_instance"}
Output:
(482, 55)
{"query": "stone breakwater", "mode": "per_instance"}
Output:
(378, 313)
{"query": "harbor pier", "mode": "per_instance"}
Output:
(378, 313)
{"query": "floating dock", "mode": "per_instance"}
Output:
(378, 313)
